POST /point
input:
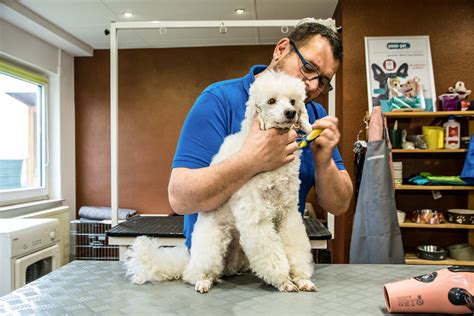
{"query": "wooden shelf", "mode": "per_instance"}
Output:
(411, 258)
(429, 151)
(433, 187)
(409, 224)
(427, 114)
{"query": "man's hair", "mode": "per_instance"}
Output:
(306, 31)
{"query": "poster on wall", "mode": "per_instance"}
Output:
(400, 73)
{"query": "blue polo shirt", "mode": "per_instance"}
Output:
(219, 112)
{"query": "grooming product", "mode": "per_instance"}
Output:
(308, 138)
(465, 141)
(448, 102)
(397, 172)
(453, 133)
(401, 216)
(446, 291)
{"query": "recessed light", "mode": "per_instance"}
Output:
(239, 11)
(127, 14)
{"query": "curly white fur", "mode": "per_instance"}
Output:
(259, 227)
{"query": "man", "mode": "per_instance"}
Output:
(312, 53)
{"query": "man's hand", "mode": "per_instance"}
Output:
(324, 145)
(270, 149)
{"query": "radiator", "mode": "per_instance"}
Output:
(62, 215)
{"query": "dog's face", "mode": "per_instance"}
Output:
(279, 101)
(410, 87)
(394, 82)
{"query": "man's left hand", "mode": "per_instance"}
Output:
(324, 145)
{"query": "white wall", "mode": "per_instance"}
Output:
(29, 50)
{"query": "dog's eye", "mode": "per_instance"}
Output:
(293, 102)
(271, 101)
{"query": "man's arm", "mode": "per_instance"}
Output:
(333, 186)
(334, 189)
(205, 189)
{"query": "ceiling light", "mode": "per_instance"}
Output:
(128, 14)
(239, 11)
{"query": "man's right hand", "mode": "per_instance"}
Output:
(270, 149)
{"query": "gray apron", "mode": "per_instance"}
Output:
(376, 236)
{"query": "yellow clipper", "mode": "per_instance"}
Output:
(309, 138)
(313, 134)
(303, 144)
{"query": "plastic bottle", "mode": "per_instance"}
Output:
(453, 133)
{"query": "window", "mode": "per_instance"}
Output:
(22, 135)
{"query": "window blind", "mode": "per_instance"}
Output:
(16, 71)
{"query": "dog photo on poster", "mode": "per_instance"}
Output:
(400, 73)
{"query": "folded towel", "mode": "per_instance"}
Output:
(101, 213)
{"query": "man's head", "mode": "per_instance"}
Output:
(312, 52)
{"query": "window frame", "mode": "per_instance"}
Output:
(22, 195)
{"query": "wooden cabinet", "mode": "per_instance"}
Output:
(438, 197)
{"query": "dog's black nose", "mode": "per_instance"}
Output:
(290, 114)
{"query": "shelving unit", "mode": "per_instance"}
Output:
(429, 151)
(433, 187)
(414, 196)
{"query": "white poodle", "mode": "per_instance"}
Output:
(259, 227)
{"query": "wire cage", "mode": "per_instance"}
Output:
(89, 241)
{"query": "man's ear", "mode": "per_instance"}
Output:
(280, 49)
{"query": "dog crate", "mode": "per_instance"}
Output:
(89, 241)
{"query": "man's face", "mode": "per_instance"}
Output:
(316, 52)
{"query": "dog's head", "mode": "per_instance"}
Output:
(394, 82)
(278, 99)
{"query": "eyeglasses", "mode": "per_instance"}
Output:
(310, 72)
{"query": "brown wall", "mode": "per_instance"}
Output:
(157, 87)
(450, 25)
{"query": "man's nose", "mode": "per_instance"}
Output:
(312, 85)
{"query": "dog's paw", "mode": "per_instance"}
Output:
(203, 286)
(306, 285)
(288, 286)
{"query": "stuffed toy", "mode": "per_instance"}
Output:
(460, 90)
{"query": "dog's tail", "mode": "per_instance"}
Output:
(148, 261)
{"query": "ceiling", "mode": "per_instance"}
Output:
(86, 20)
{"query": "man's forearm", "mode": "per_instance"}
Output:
(333, 188)
(205, 189)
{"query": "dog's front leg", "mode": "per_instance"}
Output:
(298, 249)
(264, 250)
(209, 246)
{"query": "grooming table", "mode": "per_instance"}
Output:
(170, 231)
(101, 288)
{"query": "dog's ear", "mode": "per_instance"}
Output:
(303, 120)
(252, 110)
(379, 74)
(402, 71)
